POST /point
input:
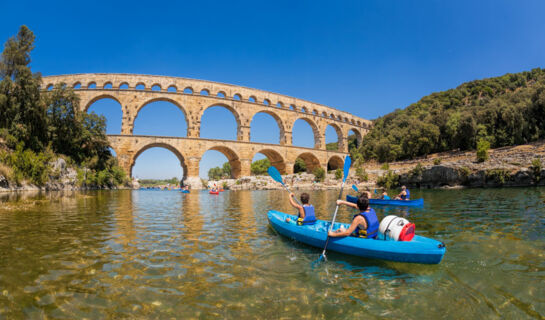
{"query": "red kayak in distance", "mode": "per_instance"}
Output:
(214, 192)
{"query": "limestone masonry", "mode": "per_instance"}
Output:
(193, 97)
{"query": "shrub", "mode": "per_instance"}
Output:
(482, 150)
(362, 174)
(319, 174)
(388, 180)
(385, 166)
(28, 164)
(536, 168)
(339, 174)
(225, 186)
(417, 170)
(498, 175)
(437, 161)
(6, 171)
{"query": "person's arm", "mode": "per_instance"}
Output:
(346, 203)
(297, 206)
(347, 232)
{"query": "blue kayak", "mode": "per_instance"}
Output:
(185, 191)
(409, 203)
(418, 250)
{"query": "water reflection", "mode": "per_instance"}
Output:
(148, 254)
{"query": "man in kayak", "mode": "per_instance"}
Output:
(364, 224)
(385, 195)
(405, 194)
(306, 211)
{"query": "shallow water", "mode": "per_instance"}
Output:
(156, 254)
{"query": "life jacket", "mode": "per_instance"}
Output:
(310, 218)
(407, 195)
(371, 219)
(386, 198)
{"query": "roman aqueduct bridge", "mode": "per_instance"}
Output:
(193, 97)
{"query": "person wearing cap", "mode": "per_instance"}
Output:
(405, 194)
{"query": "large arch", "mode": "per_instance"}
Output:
(111, 109)
(279, 122)
(174, 102)
(311, 161)
(229, 108)
(315, 130)
(340, 140)
(159, 145)
(358, 135)
(275, 159)
(335, 162)
(232, 157)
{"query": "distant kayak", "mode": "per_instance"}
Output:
(419, 250)
(410, 203)
(214, 192)
(185, 191)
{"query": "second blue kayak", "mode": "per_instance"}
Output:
(410, 203)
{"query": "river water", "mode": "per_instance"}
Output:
(158, 254)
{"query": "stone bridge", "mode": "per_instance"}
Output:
(193, 97)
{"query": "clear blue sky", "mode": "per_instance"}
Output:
(365, 57)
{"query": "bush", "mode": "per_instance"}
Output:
(536, 168)
(417, 170)
(299, 166)
(225, 185)
(385, 166)
(27, 164)
(339, 174)
(388, 180)
(482, 150)
(437, 161)
(498, 175)
(319, 174)
(362, 174)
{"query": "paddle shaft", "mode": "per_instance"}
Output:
(333, 221)
(288, 190)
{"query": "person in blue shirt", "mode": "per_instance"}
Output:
(405, 194)
(364, 224)
(385, 195)
(306, 211)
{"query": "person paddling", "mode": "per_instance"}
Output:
(306, 211)
(405, 194)
(385, 195)
(364, 224)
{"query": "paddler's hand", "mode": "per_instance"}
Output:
(331, 233)
(339, 202)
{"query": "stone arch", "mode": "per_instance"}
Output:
(315, 131)
(156, 87)
(172, 88)
(76, 85)
(188, 90)
(311, 161)
(140, 86)
(335, 162)
(358, 136)
(231, 109)
(340, 137)
(92, 85)
(275, 159)
(279, 122)
(232, 157)
(174, 102)
(100, 97)
(124, 83)
(159, 145)
(108, 85)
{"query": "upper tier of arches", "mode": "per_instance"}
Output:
(206, 89)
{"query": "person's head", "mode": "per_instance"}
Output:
(364, 194)
(384, 191)
(363, 203)
(403, 188)
(304, 198)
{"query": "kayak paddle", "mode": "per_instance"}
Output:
(273, 172)
(346, 169)
(355, 188)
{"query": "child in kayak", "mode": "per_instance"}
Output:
(306, 211)
(385, 195)
(405, 194)
(364, 224)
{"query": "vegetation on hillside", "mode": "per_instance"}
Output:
(217, 173)
(158, 182)
(502, 111)
(38, 127)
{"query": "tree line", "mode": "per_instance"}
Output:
(37, 125)
(501, 111)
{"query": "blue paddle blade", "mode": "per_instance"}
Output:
(273, 172)
(355, 188)
(347, 164)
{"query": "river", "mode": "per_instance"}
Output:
(159, 254)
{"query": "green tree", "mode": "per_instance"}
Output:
(482, 150)
(299, 166)
(319, 174)
(260, 167)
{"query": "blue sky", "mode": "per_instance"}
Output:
(365, 57)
